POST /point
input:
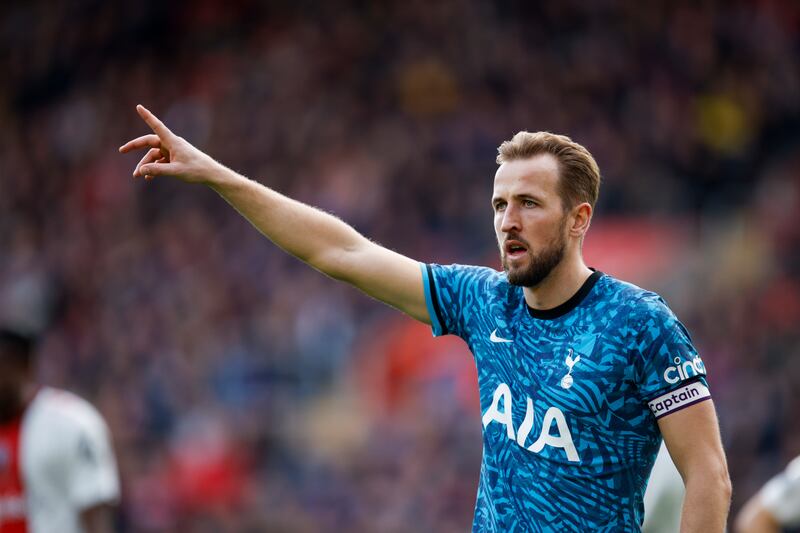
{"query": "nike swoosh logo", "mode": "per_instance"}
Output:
(494, 338)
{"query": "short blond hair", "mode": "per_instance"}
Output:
(579, 175)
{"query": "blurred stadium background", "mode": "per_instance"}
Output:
(248, 393)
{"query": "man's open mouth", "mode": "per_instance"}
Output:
(514, 249)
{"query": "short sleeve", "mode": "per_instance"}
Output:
(781, 495)
(452, 295)
(669, 372)
(93, 477)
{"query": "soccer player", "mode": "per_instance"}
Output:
(580, 374)
(57, 469)
(774, 507)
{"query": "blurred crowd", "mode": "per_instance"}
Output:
(246, 392)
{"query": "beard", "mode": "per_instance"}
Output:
(539, 265)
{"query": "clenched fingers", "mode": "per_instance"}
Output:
(151, 170)
(149, 177)
(152, 155)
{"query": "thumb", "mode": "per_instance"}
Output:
(160, 169)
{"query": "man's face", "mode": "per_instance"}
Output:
(529, 219)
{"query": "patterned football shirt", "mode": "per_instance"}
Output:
(569, 396)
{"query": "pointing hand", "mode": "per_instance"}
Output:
(169, 154)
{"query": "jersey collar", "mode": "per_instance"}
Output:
(569, 305)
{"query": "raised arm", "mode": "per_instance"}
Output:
(313, 236)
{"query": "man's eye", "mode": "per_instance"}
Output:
(529, 203)
(499, 206)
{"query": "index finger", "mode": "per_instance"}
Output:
(156, 125)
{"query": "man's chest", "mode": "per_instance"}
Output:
(553, 391)
(555, 363)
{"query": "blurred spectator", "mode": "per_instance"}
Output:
(57, 466)
(776, 506)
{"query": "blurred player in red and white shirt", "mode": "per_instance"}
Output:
(776, 506)
(57, 467)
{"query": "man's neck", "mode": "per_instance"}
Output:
(559, 286)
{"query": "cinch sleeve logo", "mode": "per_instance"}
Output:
(679, 398)
(684, 370)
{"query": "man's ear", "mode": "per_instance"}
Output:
(580, 218)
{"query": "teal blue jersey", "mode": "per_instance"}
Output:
(569, 396)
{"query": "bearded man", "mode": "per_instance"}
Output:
(581, 375)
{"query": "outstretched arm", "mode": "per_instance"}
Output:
(313, 236)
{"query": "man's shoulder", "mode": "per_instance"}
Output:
(476, 271)
(781, 494)
(637, 300)
(64, 409)
(624, 290)
(644, 313)
(461, 274)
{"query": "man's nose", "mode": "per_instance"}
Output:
(511, 220)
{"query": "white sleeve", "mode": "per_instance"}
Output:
(781, 495)
(93, 478)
